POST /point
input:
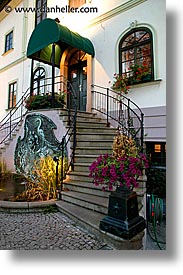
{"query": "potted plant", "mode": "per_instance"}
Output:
(138, 73)
(123, 167)
(120, 171)
(34, 102)
(120, 84)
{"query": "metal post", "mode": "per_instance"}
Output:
(142, 132)
(56, 159)
(32, 77)
(53, 76)
(62, 164)
(69, 105)
(10, 123)
(129, 119)
(108, 124)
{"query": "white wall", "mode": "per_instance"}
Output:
(106, 36)
(19, 73)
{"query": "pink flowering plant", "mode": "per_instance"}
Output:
(109, 171)
(120, 83)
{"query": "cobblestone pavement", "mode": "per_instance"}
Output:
(29, 231)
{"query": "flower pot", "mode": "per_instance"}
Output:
(146, 78)
(123, 219)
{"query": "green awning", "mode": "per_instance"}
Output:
(48, 32)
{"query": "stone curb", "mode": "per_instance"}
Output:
(25, 206)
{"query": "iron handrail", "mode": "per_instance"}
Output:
(121, 110)
(71, 131)
(18, 111)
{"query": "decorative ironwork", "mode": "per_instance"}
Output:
(15, 116)
(121, 112)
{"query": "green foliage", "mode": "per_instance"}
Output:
(35, 102)
(50, 209)
(138, 72)
(156, 182)
(120, 84)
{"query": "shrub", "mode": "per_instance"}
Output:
(42, 185)
(35, 102)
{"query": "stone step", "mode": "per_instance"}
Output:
(96, 130)
(85, 158)
(90, 220)
(64, 112)
(95, 143)
(81, 118)
(81, 167)
(89, 124)
(93, 150)
(85, 187)
(95, 203)
(93, 136)
(79, 176)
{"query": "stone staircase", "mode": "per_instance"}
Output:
(82, 201)
(93, 138)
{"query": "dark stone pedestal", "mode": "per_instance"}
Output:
(123, 229)
(123, 219)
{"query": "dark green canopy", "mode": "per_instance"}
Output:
(48, 32)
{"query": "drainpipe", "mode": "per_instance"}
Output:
(53, 76)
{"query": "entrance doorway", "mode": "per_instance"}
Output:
(78, 78)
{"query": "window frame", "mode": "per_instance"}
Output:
(38, 79)
(8, 41)
(156, 158)
(134, 46)
(12, 94)
(42, 15)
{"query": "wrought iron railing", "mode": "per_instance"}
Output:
(70, 135)
(16, 114)
(10, 122)
(119, 111)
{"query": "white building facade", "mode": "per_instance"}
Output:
(106, 24)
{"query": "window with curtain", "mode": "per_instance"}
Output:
(136, 55)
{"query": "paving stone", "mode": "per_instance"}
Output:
(30, 231)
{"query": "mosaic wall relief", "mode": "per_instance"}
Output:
(39, 141)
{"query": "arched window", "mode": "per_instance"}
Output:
(136, 55)
(41, 13)
(39, 81)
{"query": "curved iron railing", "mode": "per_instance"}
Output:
(119, 111)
